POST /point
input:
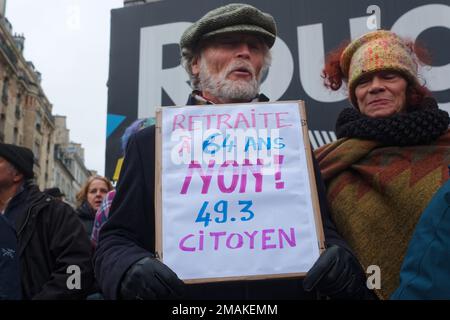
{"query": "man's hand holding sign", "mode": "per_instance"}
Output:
(236, 195)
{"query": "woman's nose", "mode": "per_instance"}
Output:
(376, 85)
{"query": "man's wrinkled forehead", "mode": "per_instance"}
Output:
(233, 37)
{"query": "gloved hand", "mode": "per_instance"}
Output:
(338, 275)
(150, 279)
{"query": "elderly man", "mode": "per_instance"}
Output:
(226, 54)
(40, 234)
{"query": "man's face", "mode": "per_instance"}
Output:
(8, 174)
(229, 67)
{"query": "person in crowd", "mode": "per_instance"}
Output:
(392, 152)
(45, 253)
(55, 193)
(226, 54)
(424, 274)
(90, 198)
(9, 259)
(102, 214)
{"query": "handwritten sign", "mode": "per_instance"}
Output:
(236, 194)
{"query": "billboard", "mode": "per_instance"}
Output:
(145, 70)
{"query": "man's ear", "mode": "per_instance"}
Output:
(195, 66)
(18, 176)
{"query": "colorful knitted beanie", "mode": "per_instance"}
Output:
(377, 51)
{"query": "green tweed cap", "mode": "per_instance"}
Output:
(233, 17)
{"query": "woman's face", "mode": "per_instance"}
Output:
(96, 192)
(381, 94)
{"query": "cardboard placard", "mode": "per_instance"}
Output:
(235, 192)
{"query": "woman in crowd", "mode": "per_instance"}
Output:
(103, 212)
(90, 199)
(392, 153)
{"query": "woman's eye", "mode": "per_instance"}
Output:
(389, 76)
(363, 81)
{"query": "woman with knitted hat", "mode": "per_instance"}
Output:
(392, 153)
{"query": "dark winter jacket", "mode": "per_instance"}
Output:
(127, 236)
(9, 261)
(51, 239)
(87, 216)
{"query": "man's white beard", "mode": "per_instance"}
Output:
(226, 90)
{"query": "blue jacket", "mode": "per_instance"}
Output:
(425, 273)
(9, 261)
(10, 284)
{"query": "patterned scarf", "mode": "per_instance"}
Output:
(197, 99)
(377, 192)
(402, 129)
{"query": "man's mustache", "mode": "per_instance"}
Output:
(241, 66)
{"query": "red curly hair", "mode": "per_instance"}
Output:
(334, 77)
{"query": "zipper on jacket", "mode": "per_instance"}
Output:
(28, 215)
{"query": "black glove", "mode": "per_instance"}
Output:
(338, 275)
(150, 279)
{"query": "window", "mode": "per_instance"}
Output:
(18, 111)
(38, 122)
(37, 151)
(2, 127)
(5, 91)
(16, 136)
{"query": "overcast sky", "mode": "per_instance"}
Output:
(68, 42)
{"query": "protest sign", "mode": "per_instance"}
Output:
(235, 192)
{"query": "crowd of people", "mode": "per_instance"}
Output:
(381, 185)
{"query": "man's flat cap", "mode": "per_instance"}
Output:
(231, 18)
(20, 157)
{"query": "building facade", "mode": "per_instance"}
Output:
(26, 119)
(25, 112)
(69, 173)
(2, 7)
